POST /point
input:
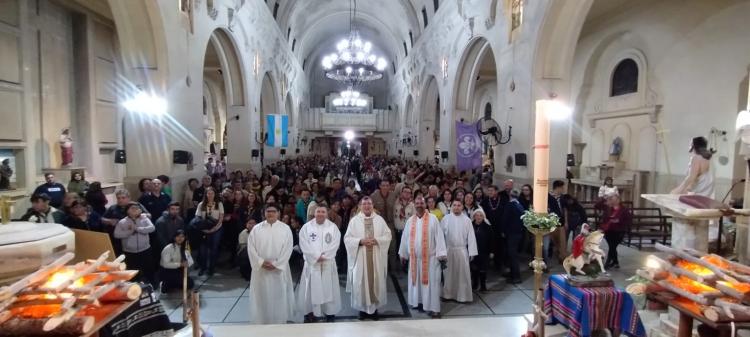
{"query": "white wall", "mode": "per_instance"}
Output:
(693, 65)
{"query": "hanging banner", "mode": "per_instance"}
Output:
(277, 130)
(468, 147)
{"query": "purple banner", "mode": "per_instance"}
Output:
(468, 147)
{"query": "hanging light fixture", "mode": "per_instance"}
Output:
(353, 62)
(350, 98)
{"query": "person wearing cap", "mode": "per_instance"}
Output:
(81, 217)
(41, 211)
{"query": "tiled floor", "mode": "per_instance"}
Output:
(224, 297)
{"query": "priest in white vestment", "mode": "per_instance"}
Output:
(318, 292)
(269, 247)
(423, 246)
(367, 240)
(462, 246)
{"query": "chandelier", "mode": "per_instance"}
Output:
(353, 62)
(349, 98)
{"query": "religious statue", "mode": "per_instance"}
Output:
(5, 173)
(66, 147)
(585, 251)
(615, 150)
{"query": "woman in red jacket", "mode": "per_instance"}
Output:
(616, 222)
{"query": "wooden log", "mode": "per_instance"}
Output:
(38, 276)
(732, 292)
(733, 306)
(118, 295)
(122, 292)
(115, 265)
(18, 326)
(691, 258)
(703, 298)
(113, 276)
(87, 269)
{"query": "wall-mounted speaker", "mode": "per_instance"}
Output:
(282, 151)
(120, 157)
(400, 152)
(570, 160)
(520, 159)
(444, 154)
(416, 153)
(255, 153)
(182, 157)
(296, 150)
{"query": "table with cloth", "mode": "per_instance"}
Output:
(583, 310)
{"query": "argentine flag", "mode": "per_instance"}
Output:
(277, 130)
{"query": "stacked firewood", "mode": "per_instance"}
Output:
(716, 287)
(66, 300)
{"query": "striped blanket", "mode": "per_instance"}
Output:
(583, 310)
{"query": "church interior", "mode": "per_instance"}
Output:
(121, 91)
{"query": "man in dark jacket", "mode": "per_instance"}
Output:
(168, 224)
(514, 230)
(555, 206)
(493, 207)
(54, 190)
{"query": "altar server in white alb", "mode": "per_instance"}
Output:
(269, 247)
(318, 290)
(423, 247)
(462, 246)
(367, 240)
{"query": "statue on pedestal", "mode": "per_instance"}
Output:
(66, 147)
(585, 251)
(5, 173)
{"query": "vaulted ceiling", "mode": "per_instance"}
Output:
(314, 23)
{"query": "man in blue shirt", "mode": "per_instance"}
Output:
(53, 189)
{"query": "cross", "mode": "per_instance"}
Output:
(313, 236)
(661, 136)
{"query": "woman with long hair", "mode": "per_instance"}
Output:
(254, 206)
(210, 211)
(527, 196)
(445, 202)
(433, 209)
(175, 260)
(478, 195)
(700, 177)
(470, 205)
(78, 183)
(234, 218)
(96, 198)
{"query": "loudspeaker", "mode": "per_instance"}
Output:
(520, 159)
(255, 153)
(571, 160)
(181, 157)
(444, 154)
(120, 157)
(282, 151)
(223, 153)
(296, 151)
(416, 153)
(400, 152)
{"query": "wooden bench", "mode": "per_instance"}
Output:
(648, 223)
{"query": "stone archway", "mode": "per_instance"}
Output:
(429, 119)
(268, 106)
(223, 90)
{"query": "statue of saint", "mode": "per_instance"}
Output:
(66, 147)
(5, 173)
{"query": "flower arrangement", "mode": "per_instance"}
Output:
(540, 221)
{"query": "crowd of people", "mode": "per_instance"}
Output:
(307, 220)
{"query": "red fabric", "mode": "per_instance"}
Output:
(578, 245)
(617, 220)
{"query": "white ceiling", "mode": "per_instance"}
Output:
(387, 22)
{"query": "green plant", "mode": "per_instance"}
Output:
(546, 221)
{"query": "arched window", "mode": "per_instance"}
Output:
(488, 111)
(624, 78)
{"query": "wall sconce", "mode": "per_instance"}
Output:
(304, 140)
(409, 140)
(236, 117)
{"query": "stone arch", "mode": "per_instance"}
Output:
(429, 118)
(227, 54)
(289, 108)
(267, 99)
(408, 119)
(558, 38)
(472, 60)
